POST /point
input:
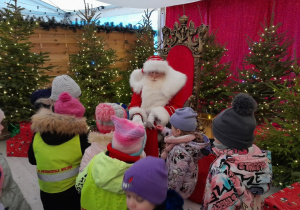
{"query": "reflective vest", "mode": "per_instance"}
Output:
(95, 198)
(57, 165)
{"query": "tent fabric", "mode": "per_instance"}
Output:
(147, 4)
(234, 20)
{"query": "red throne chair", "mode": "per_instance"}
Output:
(182, 48)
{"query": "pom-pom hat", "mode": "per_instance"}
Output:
(184, 119)
(68, 105)
(148, 178)
(64, 83)
(155, 64)
(234, 127)
(129, 137)
(103, 114)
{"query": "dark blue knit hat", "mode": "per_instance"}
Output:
(184, 119)
(42, 93)
(234, 127)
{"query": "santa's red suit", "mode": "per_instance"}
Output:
(155, 101)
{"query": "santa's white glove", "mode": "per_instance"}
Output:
(150, 121)
(138, 119)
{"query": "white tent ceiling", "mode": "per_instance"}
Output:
(79, 4)
(68, 5)
(147, 4)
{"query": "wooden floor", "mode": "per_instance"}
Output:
(25, 176)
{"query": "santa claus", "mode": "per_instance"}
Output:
(156, 95)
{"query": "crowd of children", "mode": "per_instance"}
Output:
(108, 168)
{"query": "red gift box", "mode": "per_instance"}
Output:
(287, 198)
(25, 129)
(17, 146)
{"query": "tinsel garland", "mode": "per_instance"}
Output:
(106, 27)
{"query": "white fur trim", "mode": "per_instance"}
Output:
(156, 65)
(173, 82)
(161, 114)
(138, 110)
(137, 80)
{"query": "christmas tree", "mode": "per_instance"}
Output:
(92, 66)
(21, 71)
(214, 89)
(268, 61)
(281, 134)
(139, 51)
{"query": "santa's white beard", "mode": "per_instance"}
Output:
(155, 85)
(152, 95)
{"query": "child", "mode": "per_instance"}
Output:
(57, 149)
(41, 98)
(64, 83)
(241, 174)
(146, 186)
(100, 140)
(11, 196)
(100, 183)
(184, 147)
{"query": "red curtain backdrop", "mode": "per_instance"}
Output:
(234, 20)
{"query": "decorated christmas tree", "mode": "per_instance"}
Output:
(214, 89)
(92, 66)
(281, 134)
(138, 52)
(267, 61)
(21, 71)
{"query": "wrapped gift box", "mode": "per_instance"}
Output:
(287, 198)
(17, 146)
(25, 129)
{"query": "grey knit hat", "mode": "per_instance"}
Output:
(64, 83)
(234, 127)
(184, 119)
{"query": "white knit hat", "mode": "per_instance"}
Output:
(64, 83)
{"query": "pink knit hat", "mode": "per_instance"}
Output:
(129, 137)
(103, 114)
(68, 105)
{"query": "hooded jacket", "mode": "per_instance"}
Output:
(182, 163)
(10, 194)
(238, 178)
(103, 183)
(56, 129)
(98, 143)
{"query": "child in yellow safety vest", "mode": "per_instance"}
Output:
(57, 148)
(100, 183)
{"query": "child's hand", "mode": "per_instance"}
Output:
(159, 127)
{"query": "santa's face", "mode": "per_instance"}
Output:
(154, 75)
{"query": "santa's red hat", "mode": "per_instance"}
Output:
(156, 64)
